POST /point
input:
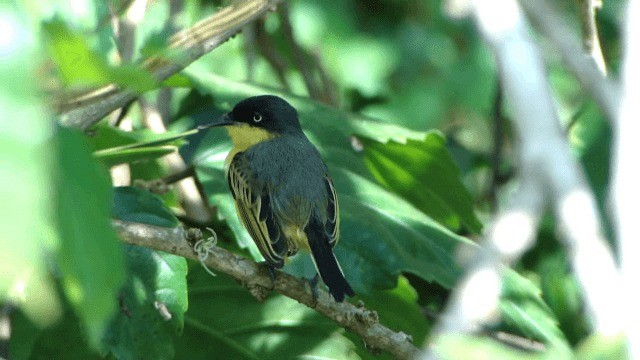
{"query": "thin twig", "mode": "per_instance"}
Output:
(273, 57)
(590, 39)
(328, 86)
(518, 342)
(163, 100)
(124, 29)
(249, 33)
(299, 55)
(496, 156)
(547, 21)
(183, 174)
(85, 110)
(258, 281)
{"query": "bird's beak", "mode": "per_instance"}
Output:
(223, 120)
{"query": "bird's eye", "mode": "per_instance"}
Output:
(257, 118)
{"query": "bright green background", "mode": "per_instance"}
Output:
(409, 144)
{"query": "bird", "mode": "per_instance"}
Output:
(282, 190)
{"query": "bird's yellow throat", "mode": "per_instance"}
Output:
(244, 136)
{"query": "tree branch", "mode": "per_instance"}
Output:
(84, 110)
(299, 55)
(604, 92)
(273, 57)
(258, 281)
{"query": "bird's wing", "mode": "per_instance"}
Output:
(333, 213)
(254, 209)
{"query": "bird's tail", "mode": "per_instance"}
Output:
(326, 262)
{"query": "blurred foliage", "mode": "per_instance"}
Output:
(399, 98)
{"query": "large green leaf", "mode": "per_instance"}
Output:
(152, 306)
(225, 322)
(90, 256)
(424, 173)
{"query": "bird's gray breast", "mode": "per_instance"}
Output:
(293, 174)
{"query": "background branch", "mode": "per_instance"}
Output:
(84, 110)
(273, 57)
(604, 92)
(548, 173)
(257, 280)
(626, 176)
(124, 29)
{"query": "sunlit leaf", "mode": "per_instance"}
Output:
(424, 173)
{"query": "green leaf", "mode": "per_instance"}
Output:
(177, 80)
(114, 146)
(225, 320)
(563, 294)
(111, 158)
(152, 306)
(73, 57)
(139, 205)
(90, 255)
(590, 138)
(79, 64)
(107, 138)
(522, 308)
(382, 235)
(424, 173)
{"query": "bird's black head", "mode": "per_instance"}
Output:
(268, 112)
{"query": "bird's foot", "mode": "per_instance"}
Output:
(313, 282)
(272, 272)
